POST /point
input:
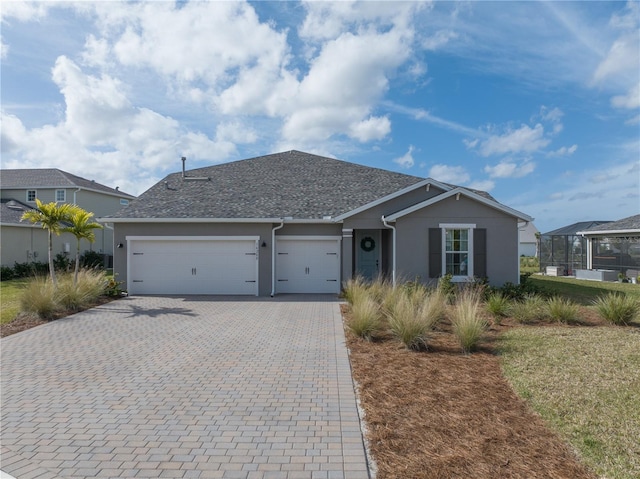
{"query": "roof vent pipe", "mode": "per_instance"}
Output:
(184, 161)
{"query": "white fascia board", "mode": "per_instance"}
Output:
(117, 194)
(212, 220)
(609, 232)
(396, 194)
(464, 192)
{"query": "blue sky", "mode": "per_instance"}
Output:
(536, 102)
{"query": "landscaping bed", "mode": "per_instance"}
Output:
(442, 414)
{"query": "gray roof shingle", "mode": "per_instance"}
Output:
(293, 183)
(629, 223)
(51, 178)
(11, 211)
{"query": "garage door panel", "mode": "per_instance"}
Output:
(193, 267)
(308, 266)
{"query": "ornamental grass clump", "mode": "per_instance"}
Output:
(562, 310)
(617, 309)
(468, 322)
(365, 320)
(411, 320)
(39, 298)
(498, 306)
(532, 308)
(354, 289)
(79, 292)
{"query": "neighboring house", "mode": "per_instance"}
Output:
(24, 242)
(564, 248)
(528, 240)
(299, 223)
(614, 245)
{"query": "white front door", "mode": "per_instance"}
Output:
(368, 257)
(307, 265)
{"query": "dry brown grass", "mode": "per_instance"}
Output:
(441, 414)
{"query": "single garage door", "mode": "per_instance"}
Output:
(193, 265)
(307, 264)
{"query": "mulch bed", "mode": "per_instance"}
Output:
(441, 414)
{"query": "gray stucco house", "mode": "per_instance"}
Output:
(294, 222)
(24, 242)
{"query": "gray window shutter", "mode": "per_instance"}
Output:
(435, 252)
(480, 253)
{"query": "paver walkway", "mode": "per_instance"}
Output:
(194, 387)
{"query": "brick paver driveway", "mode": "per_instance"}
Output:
(195, 387)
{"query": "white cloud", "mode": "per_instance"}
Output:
(482, 185)
(23, 10)
(523, 140)
(629, 101)
(372, 128)
(621, 60)
(556, 196)
(449, 174)
(406, 160)
(507, 169)
(564, 151)
(439, 39)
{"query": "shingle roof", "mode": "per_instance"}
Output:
(11, 211)
(574, 228)
(625, 224)
(51, 178)
(295, 184)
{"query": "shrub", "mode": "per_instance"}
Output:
(35, 268)
(411, 320)
(562, 310)
(6, 273)
(447, 287)
(468, 322)
(497, 305)
(365, 318)
(61, 262)
(531, 308)
(617, 308)
(92, 259)
(39, 297)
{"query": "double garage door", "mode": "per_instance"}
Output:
(193, 265)
(230, 265)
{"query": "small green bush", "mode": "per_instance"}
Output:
(39, 297)
(92, 259)
(618, 309)
(562, 310)
(6, 273)
(468, 322)
(365, 320)
(447, 286)
(497, 305)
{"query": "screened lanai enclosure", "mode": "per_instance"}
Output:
(607, 246)
(565, 249)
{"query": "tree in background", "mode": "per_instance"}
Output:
(51, 216)
(81, 226)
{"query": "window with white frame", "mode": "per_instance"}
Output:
(457, 246)
(31, 195)
(61, 196)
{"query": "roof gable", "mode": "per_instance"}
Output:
(464, 192)
(11, 212)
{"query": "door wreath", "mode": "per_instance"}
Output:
(367, 243)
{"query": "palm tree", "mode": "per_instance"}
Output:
(50, 216)
(82, 228)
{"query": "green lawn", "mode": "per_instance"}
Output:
(584, 381)
(582, 291)
(10, 299)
